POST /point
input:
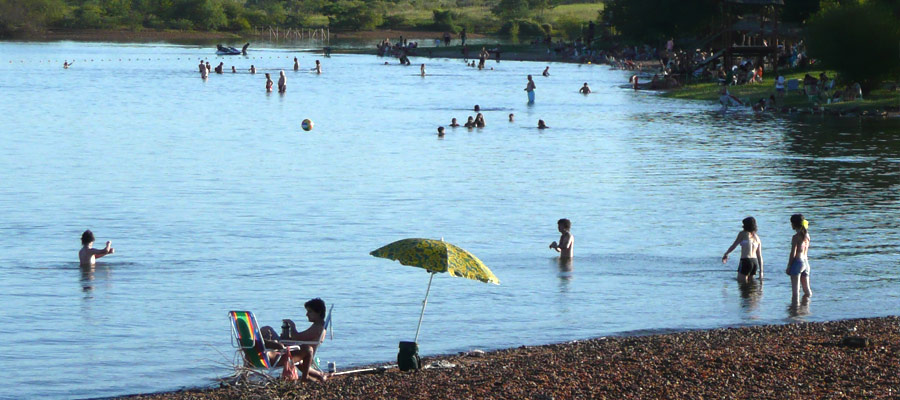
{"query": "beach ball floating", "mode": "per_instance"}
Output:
(307, 125)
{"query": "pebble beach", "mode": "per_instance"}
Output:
(848, 359)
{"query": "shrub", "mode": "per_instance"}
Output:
(569, 27)
(353, 16)
(182, 24)
(394, 21)
(443, 21)
(525, 27)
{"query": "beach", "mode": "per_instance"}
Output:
(790, 361)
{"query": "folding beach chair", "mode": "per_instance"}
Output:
(246, 337)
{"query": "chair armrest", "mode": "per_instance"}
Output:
(298, 342)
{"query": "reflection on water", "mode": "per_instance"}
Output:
(751, 294)
(90, 274)
(799, 310)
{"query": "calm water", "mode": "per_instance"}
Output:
(215, 200)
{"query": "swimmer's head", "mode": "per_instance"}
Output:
(471, 119)
(749, 224)
(542, 124)
(477, 108)
(440, 130)
(585, 84)
(452, 120)
(87, 237)
(317, 62)
(511, 115)
(267, 75)
(564, 224)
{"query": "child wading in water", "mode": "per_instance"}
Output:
(798, 263)
(88, 254)
(566, 241)
(751, 251)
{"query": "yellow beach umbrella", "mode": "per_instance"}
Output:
(436, 256)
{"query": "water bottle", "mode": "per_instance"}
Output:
(285, 330)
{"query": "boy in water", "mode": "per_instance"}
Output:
(315, 313)
(566, 241)
(88, 254)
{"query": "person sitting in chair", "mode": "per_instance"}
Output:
(315, 313)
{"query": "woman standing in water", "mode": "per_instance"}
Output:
(798, 263)
(751, 251)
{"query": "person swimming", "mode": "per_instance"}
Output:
(220, 68)
(88, 254)
(318, 67)
(296, 64)
(470, 123)
(479, 120)
(477, 108)
(511, 117)
(233, 69)
(67, 64)
(252, 69)
(585, 89)
(546, 71)
(453, 123)
(542, 124)
(440, 131)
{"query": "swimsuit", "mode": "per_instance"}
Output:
(748, 266)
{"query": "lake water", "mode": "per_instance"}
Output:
(216, 200)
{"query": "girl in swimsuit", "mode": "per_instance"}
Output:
(798, 263)
(269, 82)
(751, 251)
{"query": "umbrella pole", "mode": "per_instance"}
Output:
(425, 302)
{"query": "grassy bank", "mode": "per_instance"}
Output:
(880, 99)
(793, 361)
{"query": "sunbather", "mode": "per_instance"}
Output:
(315, 313)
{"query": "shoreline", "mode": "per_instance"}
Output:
(795, 360)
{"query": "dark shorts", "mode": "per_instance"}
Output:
(748, 266)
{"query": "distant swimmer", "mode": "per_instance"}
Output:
(453, 123)
(585, 89)
(530, 89)
(470, 123)
(751, 251)
(282, 83)
(220, 68)
(88, 253)
(479, 120)
(208, 67)
(440, 131)
(422, 70)
(252, 69)
(542, 124)
(204, 72)
(318, 67)
(269, 82)
(477, 108)
(296, 64)
(233, 70)
(67, 64)
(566, 241)
(546, 71)
(512, 117)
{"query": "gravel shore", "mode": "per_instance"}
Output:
(853, 359)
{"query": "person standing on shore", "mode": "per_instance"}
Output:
(798, 262)
(88, 254)
(529, 88)
(282, 83)
(462, 37)
(751, 251)
(269, 82)
(566, 241)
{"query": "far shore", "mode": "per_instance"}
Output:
(848, 359)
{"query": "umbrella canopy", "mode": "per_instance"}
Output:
(437, 256)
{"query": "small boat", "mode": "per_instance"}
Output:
(231, 51)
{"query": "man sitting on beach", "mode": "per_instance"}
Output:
(566, 241)
(315, 313)
(88, 254)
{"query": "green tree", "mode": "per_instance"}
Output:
(511, 9)
(860, 41)
(653, 21)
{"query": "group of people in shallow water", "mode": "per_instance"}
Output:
(206, 68)
(751, 261)
(478, 122)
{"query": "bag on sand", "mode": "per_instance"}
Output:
(289, 372)
(408, 357)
